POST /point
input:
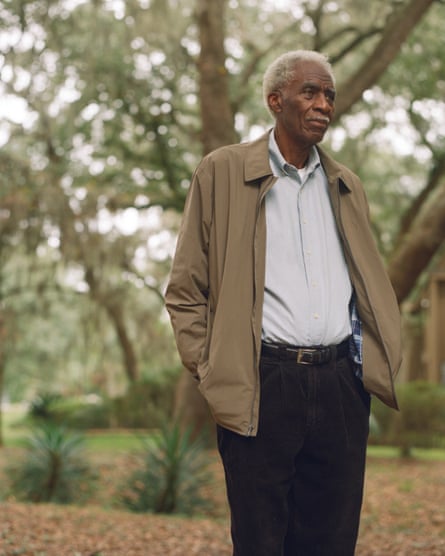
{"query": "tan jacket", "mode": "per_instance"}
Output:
(215, 292)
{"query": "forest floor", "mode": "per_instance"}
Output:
(403, 515)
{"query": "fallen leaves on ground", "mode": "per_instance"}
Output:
(53, 530)
(403, 515)
(403, 510)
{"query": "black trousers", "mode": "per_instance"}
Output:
(296, 488)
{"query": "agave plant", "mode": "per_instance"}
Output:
(173, 472)
(54, 467)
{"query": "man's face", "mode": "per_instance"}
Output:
(304, 107)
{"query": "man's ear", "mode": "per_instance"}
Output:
(274, 100)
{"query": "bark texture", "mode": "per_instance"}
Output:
(216, 112)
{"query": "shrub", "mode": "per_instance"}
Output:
(78, 412)
(54, 468)
(147, 403)
(421, 420)
(173, 472)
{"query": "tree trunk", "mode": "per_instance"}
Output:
(217, 130)
(415, 342)
(115, 312)
(435, 176)
(418, 247)
(128, 352)
(216, 112)
(397, 30)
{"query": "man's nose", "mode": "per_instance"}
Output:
(323, 103)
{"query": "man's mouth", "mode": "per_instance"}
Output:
(320, 122)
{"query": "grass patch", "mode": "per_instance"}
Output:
(15, 430)
(393, 452)
(104, 441)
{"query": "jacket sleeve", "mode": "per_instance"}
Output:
(187, 292)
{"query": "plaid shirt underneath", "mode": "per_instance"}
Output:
(356, 341)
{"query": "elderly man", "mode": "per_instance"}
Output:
(283, 312)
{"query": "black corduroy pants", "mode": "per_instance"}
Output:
(296, 488)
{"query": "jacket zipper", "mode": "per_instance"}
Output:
(251, 426)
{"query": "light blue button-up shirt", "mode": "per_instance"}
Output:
(307, 287)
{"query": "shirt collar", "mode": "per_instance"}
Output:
(279, 165)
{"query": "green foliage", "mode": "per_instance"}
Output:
(146, 404)
(173, 472)
(420, 423)
(80, 412)
(54, 468)
(42, 406)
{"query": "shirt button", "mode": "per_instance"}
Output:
(316, 316)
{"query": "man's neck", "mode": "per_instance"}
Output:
(294, 154)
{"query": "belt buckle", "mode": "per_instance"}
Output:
(300, 354)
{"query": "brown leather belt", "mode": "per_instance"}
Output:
(316, 355)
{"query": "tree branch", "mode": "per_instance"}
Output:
(397, 30)
(419, 246)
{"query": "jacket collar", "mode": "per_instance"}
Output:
(335, 172)
(257, 166)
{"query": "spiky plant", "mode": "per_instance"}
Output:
(53, 468)
(174, 470)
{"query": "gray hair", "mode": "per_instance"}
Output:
(282, 70)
